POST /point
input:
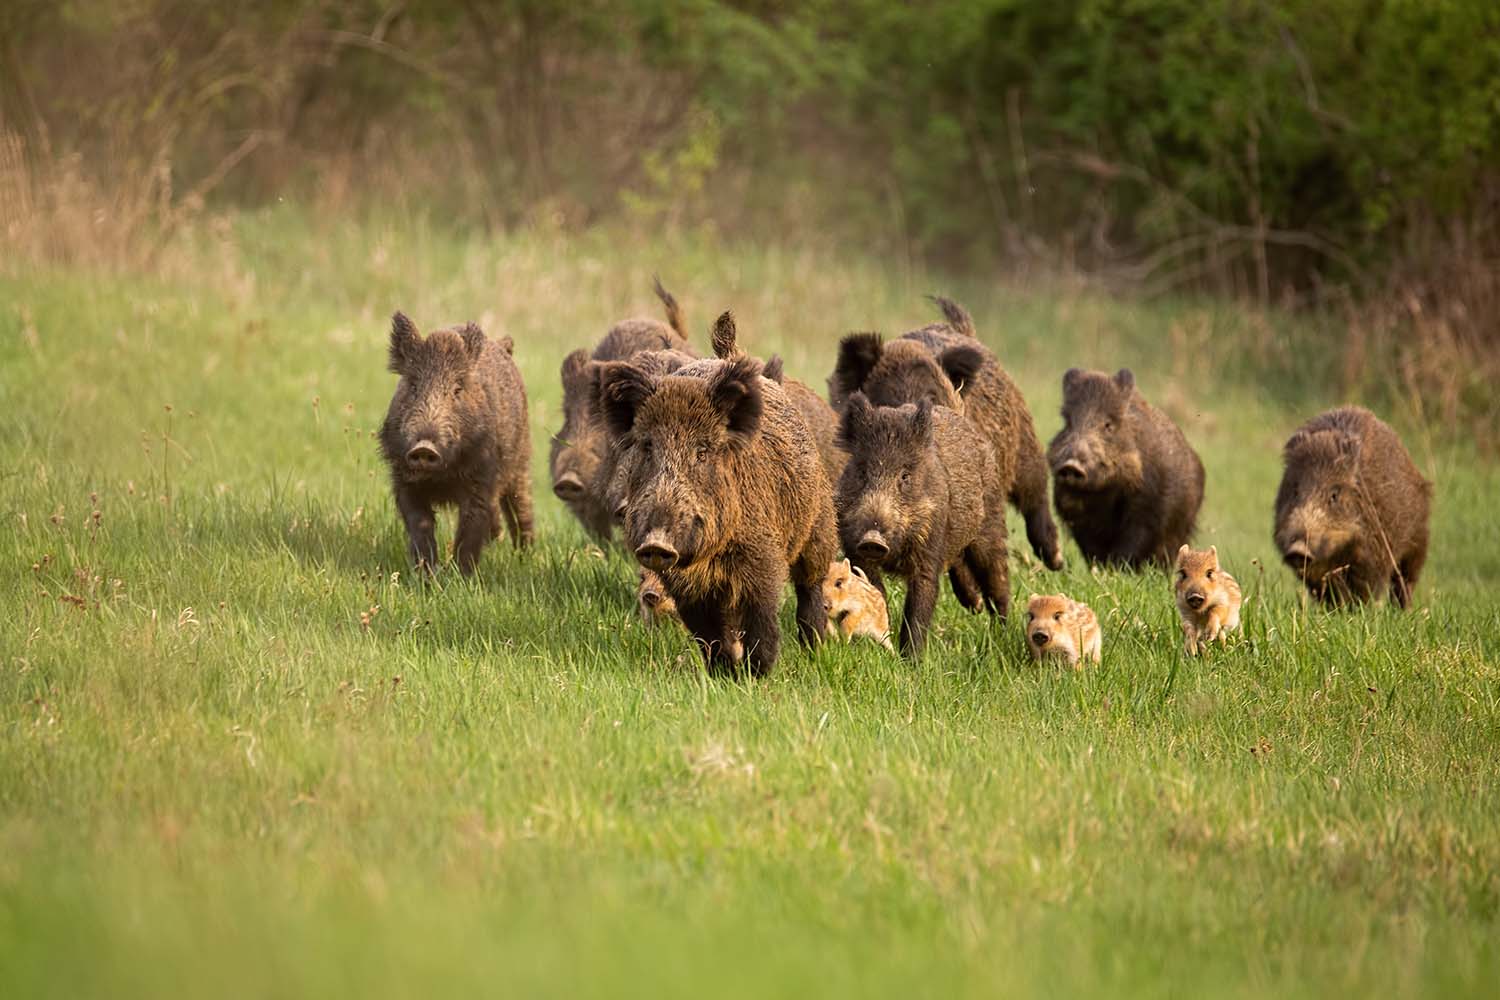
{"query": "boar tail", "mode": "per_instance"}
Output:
(675, 319)
(956, 315)
(726, 338)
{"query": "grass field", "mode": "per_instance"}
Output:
(242, 754)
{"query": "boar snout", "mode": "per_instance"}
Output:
(1039, 639)
(651, 598)
(1072, 471)
(568, 486)
(1195, 599)
(656, 553)
(1297, 554)
(873, 546)
(424, 456)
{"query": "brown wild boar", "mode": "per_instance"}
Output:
(1127, 483)
(727, 499)
(919, 495)
(1208, 599)
(579, 448)
(456, 434)
(1352, 510)
(946, 364)
(820, 418)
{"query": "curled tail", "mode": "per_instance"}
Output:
(674, 312)
(956, 315)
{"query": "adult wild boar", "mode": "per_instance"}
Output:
(727, 498)
(920, 495)
(946, 364)
(1352, 509)
(456, 434)
(1127, 483)
(579, 447)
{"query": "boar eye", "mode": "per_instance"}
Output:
(703, 453)
(1333, 495)
(458, 390)
(905, 477)
(1109, 426)
(646, 446)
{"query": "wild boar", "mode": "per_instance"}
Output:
(727, 499)
(946, 364)
(920, 495)
(1058, 627)
(1208, 599)
(456, 434)
(1352, 509)
(579, 447)
(1127, 483)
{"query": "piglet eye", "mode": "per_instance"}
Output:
(1210, 574)
(1182, 574)
(1057, 616)
(838, 585)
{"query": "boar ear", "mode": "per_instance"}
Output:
(775, 369)
(622, 389)
(574, 367)
(507, 344)
(1071, 379)
(1125, 379)
(921, 421)
(404, 341)
(857, 415)
(859, 353)
(735, 392)
(961, 364)
(473, 340)
(725, 338)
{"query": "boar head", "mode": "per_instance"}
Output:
(578, 448)
(687, 438)
(438, 412)
(903, 371)
(888, 493)
(1319, 506)
(1096, 449)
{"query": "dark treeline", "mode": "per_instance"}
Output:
(1269, 148)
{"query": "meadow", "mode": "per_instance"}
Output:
(243, 752)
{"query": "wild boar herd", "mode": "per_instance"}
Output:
(726, 479)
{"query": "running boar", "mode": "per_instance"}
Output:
(1127, 484)
(1059, 627)
(920, 495)
(727, 498)
(1208, 599)
(456, 434)
(1351, 513)
(946, 365)
(579, 449)
(855, 606)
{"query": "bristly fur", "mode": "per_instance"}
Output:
(1137, 496)
(725, 338)
(1352, 498)
(946, 364)
(675, 318)
(921, 481)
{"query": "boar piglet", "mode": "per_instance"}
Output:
(946, 364)
(1126, 482)
(580, 461)
(918, 497)
(1352, 510)
(455, 434)
(727, 499)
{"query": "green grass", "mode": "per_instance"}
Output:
(215, 778)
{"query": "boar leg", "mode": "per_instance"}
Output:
(1132, 546)
(476, 526)
(1029, 496)
(988, 558)
(1404, 580)
(705, 622)
(762, 633)
(916, 615)
(965, 587)
(420, 530)
(516, 505)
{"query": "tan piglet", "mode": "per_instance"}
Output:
(1057, 626)
(1208, 599)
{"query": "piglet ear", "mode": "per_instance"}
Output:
(404, 341)
(473, 340)
(734, 391)
(856, 571)
(1213, 550)
(857, 416)
(859, 353)
(1182, 554)
(1125, 379)
(962, 364)
(622, 389)
(725, 338)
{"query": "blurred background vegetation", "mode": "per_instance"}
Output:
(1336, 157)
